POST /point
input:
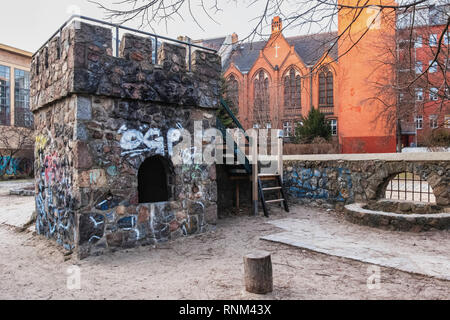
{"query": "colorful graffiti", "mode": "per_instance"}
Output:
(329, 184)
(54, 202)
(15, 167)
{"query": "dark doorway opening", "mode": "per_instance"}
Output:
(153, 180)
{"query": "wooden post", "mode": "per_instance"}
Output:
(258, 272)
(280, 155)
(238, 211)
(254, 148)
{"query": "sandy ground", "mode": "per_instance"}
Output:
(208, 266)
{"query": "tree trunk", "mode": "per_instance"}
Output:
(258, 272)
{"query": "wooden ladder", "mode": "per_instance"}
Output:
(279, 188)
(252, 170)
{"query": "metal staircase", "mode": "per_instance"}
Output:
(245, 170)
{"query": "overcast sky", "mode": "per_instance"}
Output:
(27, 24)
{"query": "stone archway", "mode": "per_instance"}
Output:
(378, 182)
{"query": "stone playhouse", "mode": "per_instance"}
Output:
(108, 127)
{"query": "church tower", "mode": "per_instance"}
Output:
(277, 25)
(366, 46)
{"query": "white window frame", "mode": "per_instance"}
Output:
(287, 129)
(418, 42)
(434, 94)
(334, 127)
(432, 40)
(419, 67)
(433, 121)
(433, 67)
(419, 94)
(418, 120)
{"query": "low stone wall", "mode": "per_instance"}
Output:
(404, 207)
(356, 213)
(335, 180)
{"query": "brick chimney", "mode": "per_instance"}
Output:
(277, 25)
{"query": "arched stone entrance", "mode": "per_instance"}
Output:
(154, 180)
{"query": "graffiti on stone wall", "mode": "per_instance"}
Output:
(54, 201)
(334, 184)
(135, 142)
(15, 167)
(177, 143)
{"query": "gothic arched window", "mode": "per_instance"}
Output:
(261, 97)
(232, 91)
(326, 91)
(292, 91)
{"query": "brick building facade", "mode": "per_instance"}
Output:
(273, 83)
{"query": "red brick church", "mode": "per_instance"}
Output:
(274, 82)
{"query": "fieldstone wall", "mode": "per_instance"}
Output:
(335, 183)
(98, 118)
(358, 213)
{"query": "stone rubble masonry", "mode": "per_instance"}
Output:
(85, 101)
(335, 183)
(357, 213)
(84, 65)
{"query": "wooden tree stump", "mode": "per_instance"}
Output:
(258, 272)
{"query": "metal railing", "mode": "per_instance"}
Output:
(117, 29)
(410, 187)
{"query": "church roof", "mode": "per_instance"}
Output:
(214, 43)
(310, 48)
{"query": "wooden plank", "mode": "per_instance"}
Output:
(275, 201)
(272, 189)
(238, 211)
(280, 156)
(254, 140)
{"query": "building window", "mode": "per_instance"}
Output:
(287, 129)
(292, 91)
(5, 95)
(418, 67)
(433, 121)
(446, 39)
(23, 115)
(447, 121)
(256, 126)
(334, 127)
(419, 94)
(418, 42)
(419, 122)
(232, 91)
(433, 40)
(326, 91)
(262, 97)
(268, 125)
(434, 94)
(433, 67)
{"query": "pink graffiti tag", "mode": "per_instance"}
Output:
(52, 169)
